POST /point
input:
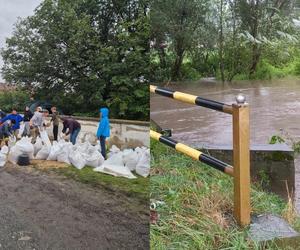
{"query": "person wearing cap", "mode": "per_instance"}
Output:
(27, 117)
(37, 122)
(17, 118)
(103, 129)
(72, 128)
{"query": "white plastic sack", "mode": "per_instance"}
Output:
(56, 147)
(21, 130)
(113, 150)
(143, 165)
(94, 158)
(4, 150)
(25, 146)
(45, 138)
(114, 166)
(43, 153)
(38, 145)
(63, 154)
(2, 159)
(12, 141)
(14, 154)
(130, 159)
(77, 159)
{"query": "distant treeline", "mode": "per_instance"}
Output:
(235, 39)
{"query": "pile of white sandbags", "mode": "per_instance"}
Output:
(119, 163)
(122, 163)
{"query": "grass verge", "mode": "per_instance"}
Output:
(138, 188)
(197, 213)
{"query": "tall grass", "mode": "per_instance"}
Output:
(198, 208)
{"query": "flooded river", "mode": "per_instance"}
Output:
(274, 105)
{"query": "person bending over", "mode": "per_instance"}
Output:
(16, 119)
(72, 128)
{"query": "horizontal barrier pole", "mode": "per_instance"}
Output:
(192, 99)
(193, 153)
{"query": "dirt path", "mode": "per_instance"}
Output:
(45, 211)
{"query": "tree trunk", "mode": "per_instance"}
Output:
(176, 74)
(221, 43)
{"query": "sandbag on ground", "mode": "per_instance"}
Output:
(130, 159)
(115, 166)
(76, 158)
(143, 165)
(14, 154)
(3, 155)
(43, 153)
(26, 147)
(37, 145)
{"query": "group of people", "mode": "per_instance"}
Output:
(35, 123)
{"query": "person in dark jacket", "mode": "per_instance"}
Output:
(27, 117)
(72, 128)
(14, 116)
(103, 129)
(55, 121)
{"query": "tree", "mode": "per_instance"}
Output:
(176, 22)
(82, 54)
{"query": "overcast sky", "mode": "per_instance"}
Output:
(10, 10)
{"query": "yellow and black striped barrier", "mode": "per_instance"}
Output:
(193, 153)
(191, 99)
(241, 154)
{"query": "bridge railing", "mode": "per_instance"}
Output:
(240, 171)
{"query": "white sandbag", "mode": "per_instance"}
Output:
(143, 165)
(115, 166)
(56, 147)
(113, 150)
(130, 159)
(21, 130)
(3, 158)
(25, 146)
(11, 141)
(14, 154)
(63, 154)
(77, 159)
(94, 158)
(4, 150)
(43, 153)
(37, 145)
(45, 138)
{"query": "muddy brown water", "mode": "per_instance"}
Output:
(274, 105)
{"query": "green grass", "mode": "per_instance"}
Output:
(197, 213)
(138, 188)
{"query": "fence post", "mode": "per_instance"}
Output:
(241, 161)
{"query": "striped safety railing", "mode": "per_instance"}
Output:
(240, 170)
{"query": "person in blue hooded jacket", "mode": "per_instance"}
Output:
(103, 129)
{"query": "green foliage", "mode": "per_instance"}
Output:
(81, 55)
(258, 41)
(13, 99)
(137, 188)
(276, 139)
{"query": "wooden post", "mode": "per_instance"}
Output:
(241, 162)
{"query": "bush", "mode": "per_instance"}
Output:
(16, 98)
